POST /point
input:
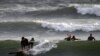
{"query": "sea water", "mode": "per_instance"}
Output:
(48, 19)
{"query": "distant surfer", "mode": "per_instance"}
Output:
(24, 43)
(91, 38)
(31, 43)
(71, 38)
(74, 38)
(68, 38)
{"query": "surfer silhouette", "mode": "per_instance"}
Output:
(68, 38)
(24, 43)
(31, 43)
(74, 38)
(91, 38)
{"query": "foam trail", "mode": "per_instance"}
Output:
(42, 47)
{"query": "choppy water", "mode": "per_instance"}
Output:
(48, 19)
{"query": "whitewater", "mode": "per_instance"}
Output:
(51, 20)
(42, 47)
(70, 26)
(48, 19)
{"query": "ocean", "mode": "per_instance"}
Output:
(48, 19)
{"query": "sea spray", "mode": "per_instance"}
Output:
(42, 47)
(92, 9)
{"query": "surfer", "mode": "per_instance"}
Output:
(24, 43)
(31, 43)
(68, 38)
(74, 38)
(91, 38)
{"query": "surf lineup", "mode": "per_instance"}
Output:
(27, 45)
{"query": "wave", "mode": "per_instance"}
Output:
(56, 10)
(19, 26)
(74, 9)
(70, 26)
(88, 9)
(44, 25)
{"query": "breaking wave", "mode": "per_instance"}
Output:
(70, 26)
(45, 25)
(58, 9)
(42, 47)
(88, 9)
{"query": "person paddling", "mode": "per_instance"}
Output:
(74, 38)
(68, 38)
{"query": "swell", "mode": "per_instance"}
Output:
(75, 10)
(43, 25)
(19, 26)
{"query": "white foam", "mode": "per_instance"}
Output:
(88, 9)
(23, 8)
(42, 47)
(70, 26)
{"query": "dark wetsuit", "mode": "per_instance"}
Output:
(31, 43)
(24, 43)
(90, 38)
(68, 38)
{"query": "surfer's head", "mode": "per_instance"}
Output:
(90, 34)
(23, 37)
